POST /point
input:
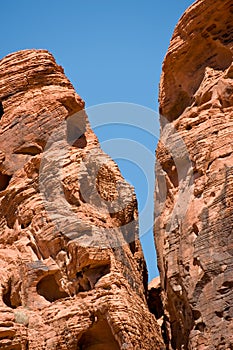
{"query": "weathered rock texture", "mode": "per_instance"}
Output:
(56, 293)
(194, 234)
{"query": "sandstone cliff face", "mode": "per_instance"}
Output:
(194, 218)
(64, 285)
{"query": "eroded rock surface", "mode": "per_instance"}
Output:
(64, 285)
(194, 216)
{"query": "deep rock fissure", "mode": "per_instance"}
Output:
(4, 181)
(1, 110)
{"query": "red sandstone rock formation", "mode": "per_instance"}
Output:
(64, 284)
(194, 216)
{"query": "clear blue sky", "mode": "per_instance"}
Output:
(111, 51)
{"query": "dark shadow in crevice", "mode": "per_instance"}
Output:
(32, 150)
(7, 297)
(76, 127)
(155, 302)
(90, 275)
(25, 224)
(1, 110)
(49, 289)
(4, 181)
(200, 327)
(98, 337)
(132, 247)
(81, 142)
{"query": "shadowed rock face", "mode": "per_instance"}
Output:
(194, 238)
(65, 283)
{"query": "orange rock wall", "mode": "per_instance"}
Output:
(193, 226)
(64, 283)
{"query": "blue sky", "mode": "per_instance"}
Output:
(111, 51)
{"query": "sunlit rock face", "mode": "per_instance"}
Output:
(73, 274)
(194, 218)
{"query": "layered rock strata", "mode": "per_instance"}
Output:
(73, 274)
(194, 215)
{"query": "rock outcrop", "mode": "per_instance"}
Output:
(194, 216)
(73, 274)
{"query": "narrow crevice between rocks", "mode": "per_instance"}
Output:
(155, 305)
(1, 110)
